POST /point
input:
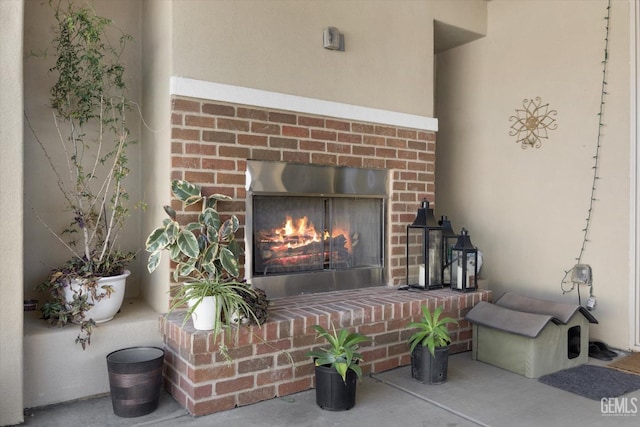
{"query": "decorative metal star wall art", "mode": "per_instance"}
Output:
(532, 124)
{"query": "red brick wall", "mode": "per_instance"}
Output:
(270, 361)
(211, 141)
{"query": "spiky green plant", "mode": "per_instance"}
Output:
(432, 330)
(341, 353)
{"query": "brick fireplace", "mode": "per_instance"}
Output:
(211, 143)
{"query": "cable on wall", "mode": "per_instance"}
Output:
(596, 177)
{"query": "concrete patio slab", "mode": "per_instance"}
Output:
(476, 394)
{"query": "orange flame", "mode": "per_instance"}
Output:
(302, 232)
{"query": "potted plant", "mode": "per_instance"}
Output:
(205, 253)
(430, 346)
(337, 368)
(89, 106)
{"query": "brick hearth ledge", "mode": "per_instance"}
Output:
(269, 361)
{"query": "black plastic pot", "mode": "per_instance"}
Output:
(332, 393)
(427, 368)
(135, 379)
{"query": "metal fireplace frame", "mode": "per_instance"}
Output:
(293, 179)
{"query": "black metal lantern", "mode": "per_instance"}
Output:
(465, 264)
(424, 250)
(449, 240)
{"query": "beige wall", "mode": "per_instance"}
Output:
(277, 46)
(156, 147)
(525, 209)
(11, 186)
(470, 15)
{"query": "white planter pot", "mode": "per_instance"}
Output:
(103, 310)
(205, 314)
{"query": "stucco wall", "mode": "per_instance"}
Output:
(11, 186)
(468, 15)
(277, 46)
(526, 209)
(156, 136)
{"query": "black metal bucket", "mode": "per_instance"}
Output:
(135, 379)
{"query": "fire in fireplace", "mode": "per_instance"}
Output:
(314, 228)
(295, 243)
(293, 246)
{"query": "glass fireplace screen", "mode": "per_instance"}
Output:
(305, 234)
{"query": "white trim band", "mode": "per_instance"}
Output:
(183, 86)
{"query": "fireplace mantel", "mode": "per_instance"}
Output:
(219, 92)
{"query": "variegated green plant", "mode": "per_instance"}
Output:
(341, 353)
(432, 330)
(205, 253)
(205, 249)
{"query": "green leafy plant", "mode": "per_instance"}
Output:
(432, 330)
(205, 249)
(341, 353)
(205, 253)
(89, 106)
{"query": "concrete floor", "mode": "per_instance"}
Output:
(476, 394)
